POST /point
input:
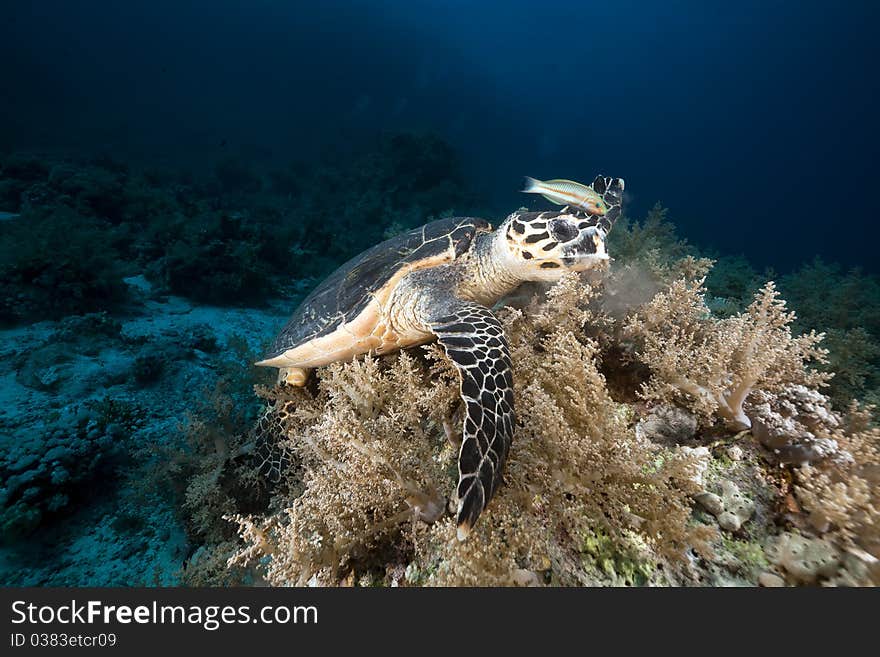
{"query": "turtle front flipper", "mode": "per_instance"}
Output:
(474, 340)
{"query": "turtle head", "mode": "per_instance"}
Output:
(541, 246)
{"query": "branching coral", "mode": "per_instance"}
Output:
(211, 471)
(732, 283)
(377, 469)
(714, 364)
(648, 256)
(842, 494)
(374, 455)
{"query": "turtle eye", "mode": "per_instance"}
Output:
(564, 231)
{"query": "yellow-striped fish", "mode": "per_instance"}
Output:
(567, 192)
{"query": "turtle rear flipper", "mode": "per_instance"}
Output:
(271, 455)
(473, 339)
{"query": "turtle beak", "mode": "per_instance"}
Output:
(590, 247)
(585, 262)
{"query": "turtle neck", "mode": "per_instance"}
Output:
(486, 275)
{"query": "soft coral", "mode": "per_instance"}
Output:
(715, 363)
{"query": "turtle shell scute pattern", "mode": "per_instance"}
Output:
(347, 291)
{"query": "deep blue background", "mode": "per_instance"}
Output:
(755, 122)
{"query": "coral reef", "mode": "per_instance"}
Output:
(840, 493)
(100, 248)
(236, 237)
(48, 468)
(678, 422)
(82, 439)
(846, 306)
(712, 365)
(797, 423)
(54, 264)
(675, 480)
(218, 257)
(843, 305)
(732, 508)
(377, 468)
(804, 559)
(211, 472)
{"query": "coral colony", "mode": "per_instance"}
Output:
(681, 418)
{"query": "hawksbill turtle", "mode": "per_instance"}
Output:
(439, 282)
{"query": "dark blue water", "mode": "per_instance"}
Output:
(755, 122)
